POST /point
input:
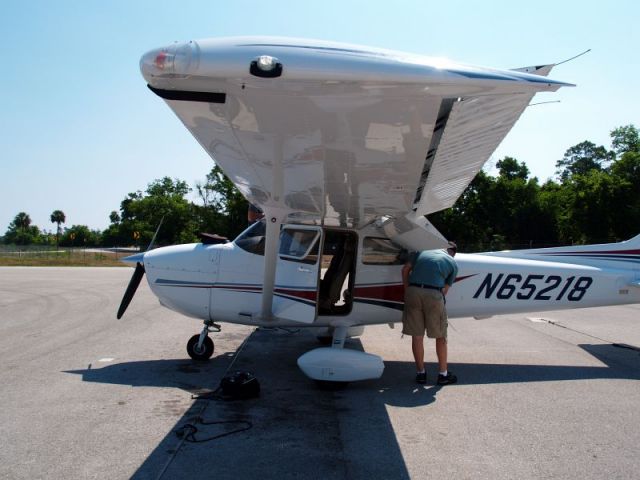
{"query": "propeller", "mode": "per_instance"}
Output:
(138, 273)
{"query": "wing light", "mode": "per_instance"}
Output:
(178, 59)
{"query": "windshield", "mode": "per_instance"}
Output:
(252, 239)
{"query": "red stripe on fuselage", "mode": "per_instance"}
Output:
(304, 294)
(391, 293)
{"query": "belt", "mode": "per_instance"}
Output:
(422, 285)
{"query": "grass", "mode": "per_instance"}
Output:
(61, 258)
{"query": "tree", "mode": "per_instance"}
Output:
(164, 198)
(625, 139)
(80, 235)
(21, 232)
(58, 217)
(582, 158)
(114, 217)
(589, 203)
(22, 221)
(510, 169)
(625, 213)
(468, 221)
(224, 208)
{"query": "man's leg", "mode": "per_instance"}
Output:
(441, 352)
(417, 346)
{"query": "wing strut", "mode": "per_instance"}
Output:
(275, 217)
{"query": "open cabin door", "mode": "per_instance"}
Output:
(296, 287)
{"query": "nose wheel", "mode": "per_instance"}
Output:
(200, 347)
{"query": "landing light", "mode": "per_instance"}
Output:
(266, 63)
(266, 66)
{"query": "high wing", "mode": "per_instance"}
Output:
(341, 134)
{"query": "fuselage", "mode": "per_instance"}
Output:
(223, 282)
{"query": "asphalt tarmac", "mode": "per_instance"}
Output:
(85, 396)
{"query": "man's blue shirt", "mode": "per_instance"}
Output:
(433, 267)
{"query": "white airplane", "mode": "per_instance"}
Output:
(346, 149)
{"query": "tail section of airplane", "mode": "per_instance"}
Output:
(622, 255)
(544, 279)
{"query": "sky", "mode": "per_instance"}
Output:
(79, 130)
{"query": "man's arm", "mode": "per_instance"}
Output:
(406, 271)
(451, 278)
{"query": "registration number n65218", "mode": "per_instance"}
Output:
(533, 287)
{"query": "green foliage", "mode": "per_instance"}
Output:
(625, 214)
(510, 169)
(164, 199)
(114, 217)
(80, 236)
(224, 209)
(625, 139)
(582, 158)
(21, 232)
(58, 217)
(597, 199)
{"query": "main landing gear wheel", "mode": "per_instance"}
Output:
(200, 353)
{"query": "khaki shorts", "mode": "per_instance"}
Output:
(424, 310)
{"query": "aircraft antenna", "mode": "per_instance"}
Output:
(153, 240)
(573, 58)
(542, 103)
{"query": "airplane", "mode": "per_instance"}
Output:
(347, 149)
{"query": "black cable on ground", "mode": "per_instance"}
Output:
(189, 430)
(199, 416)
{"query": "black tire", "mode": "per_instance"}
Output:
(206, 350)
(326, 341)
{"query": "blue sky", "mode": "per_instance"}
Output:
(79, 129)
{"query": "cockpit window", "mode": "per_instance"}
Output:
(299, 245)
(296, 244)
(252, 239)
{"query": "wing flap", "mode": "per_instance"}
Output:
(474, 129)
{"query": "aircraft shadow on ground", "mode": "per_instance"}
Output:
(297, 427)
(185, 374)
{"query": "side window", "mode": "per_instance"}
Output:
(381, 251)
(252, 239)
(299, 245)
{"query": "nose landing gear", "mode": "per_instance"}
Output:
(200, 347)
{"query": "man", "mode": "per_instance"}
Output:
(427, 277)
(254, 214)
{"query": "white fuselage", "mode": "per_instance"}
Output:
(224, 283)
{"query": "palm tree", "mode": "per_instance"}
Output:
(21, 223)
(58, 217)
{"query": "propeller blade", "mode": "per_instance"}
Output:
(131, 289)
(137, 275)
